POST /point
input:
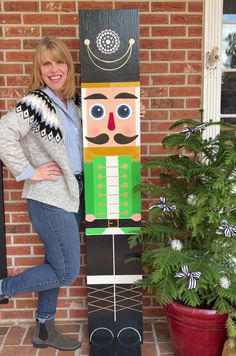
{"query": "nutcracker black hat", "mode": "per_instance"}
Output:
(109, 46)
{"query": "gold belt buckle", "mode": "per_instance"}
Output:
(113, 223)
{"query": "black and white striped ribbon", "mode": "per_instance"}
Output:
(162, 205)
(228, 229)
(192, 277)
(189, 131)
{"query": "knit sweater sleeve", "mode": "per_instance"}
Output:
(12, 129)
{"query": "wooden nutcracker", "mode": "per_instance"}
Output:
(110, 87)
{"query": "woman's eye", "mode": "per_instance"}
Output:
(123, 111)
(97, 111)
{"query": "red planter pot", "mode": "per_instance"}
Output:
(196, 332)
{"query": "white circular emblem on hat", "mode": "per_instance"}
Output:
(108, 41)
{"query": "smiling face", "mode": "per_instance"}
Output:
(111, 116)
(54, 72)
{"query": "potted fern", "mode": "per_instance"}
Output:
(189, 237)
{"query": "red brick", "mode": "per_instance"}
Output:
(26, 303)
(69, 19)
(26, 239)
(58, 6)
(194, 56)
(21, 6)
(19, 350)
(152, 137)
(168, 56)
(156, 92)
(10, 19)
(22, 31)
(186, 43)
(157, 115)
(17, 228)
(19, 56)
(184, 114)
(14, 315)
(153, 19)
(186, 19)
(2, 105)
(18, 81)
(185, 91)
(168, 6)
(193, 103)
(15, 207)
(159, 127)
(194, 79)
(167, 103)
(12, 184)
(195, 6)
(153, 68)
(38, 250)
(10, 44)
(142, 6)
(10, 69)
(86, 5)
(144, 31)
(168, 31)
(153, 43)
(30, 43)
(59, 31)
(195, 31)
(20, 217)
(13, 251)
(28, 261)
(185, 67)
(82, 314)
(144, 56)
(40, 19)
(168, 79)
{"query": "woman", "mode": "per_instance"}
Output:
(40, 142)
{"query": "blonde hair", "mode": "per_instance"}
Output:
(58, 50)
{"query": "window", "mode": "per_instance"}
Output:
(219, 83)
(228, 63)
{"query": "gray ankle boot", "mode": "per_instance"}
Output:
(46, 335)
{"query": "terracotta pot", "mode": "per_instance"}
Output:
(196, 332)
(227, 350)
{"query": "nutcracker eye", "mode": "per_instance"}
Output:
(123, 111)
(97, 111)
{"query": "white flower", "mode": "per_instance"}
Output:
(225, 282)
(176, 245)
(191, 200)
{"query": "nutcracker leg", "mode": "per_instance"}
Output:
(114, 303)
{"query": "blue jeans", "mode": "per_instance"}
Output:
(59, 232)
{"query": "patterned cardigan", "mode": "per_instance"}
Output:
(33, 134)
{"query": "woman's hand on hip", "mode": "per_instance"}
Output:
(47, 171)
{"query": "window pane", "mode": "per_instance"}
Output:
(229, 46)
(228, 93)
(229, 7)
(229, 18)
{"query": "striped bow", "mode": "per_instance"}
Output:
(163, 206)
(228, 229)
(192, 277)
(189, 131)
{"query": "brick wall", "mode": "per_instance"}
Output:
(171, 78)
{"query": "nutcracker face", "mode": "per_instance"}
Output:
(112, 116)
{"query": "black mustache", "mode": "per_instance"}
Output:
(124, 140)
(118, 138)
(98, 140)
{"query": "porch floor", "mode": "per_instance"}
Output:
(15, 339)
